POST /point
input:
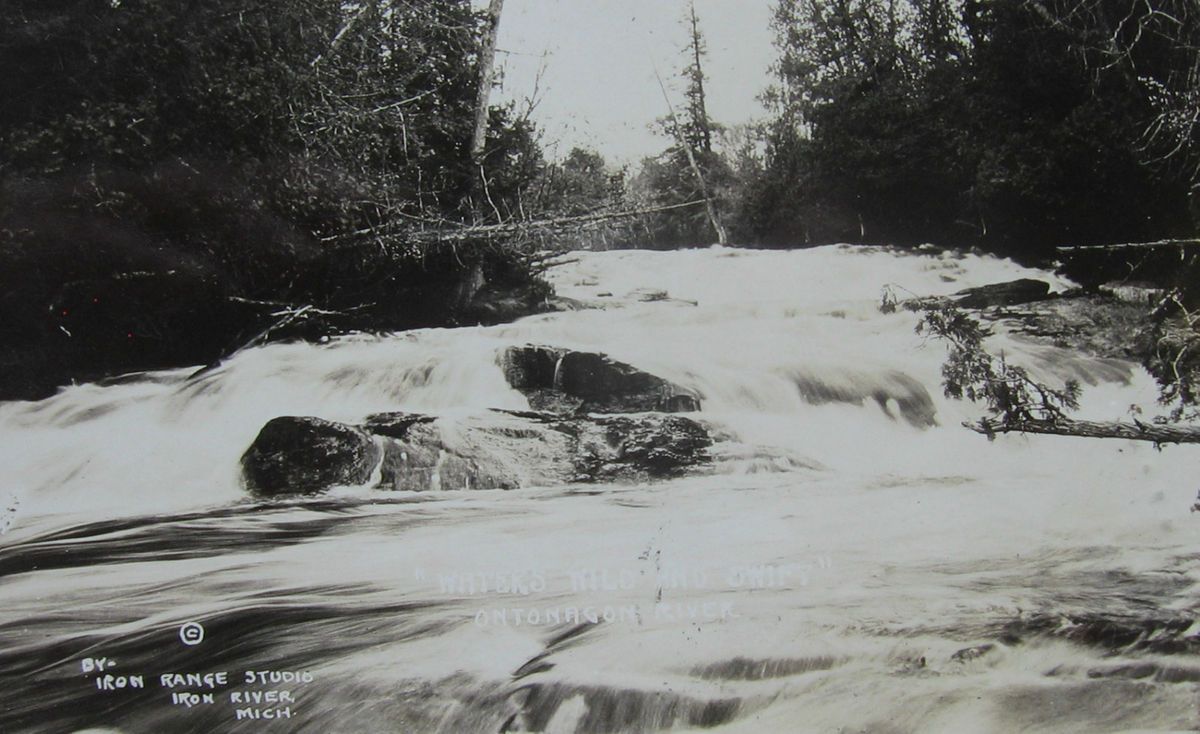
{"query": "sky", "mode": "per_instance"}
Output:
(598, 87)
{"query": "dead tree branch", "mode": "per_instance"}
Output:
(346, 29)
(450, 232)
(710, 210)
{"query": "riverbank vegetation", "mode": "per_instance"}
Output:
(175, 178)
(1015, 127)
(177, 181)
(1016, 402)
(1060, 133)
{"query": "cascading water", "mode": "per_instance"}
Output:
(856, 560)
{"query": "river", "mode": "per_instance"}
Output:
(854, 561)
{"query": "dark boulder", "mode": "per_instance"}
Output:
(619, 447)
(308, 455)
(1010, 293)
(496, 450)
(505, 450)
(565, 381)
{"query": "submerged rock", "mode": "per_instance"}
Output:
(1112, 633)
(496, 450)
(294, 456)
(887, 389)
(1099, 325)
(543, 706)
(565, 381)
(967, 654)
(755, 669)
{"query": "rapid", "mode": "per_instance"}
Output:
(855, 560)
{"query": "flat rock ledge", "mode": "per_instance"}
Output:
(496, 450)
(569, 382)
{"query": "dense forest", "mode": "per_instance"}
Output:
(178, 180)
(1015, 126)
(176, 177)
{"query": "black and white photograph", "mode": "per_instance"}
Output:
(599, 366)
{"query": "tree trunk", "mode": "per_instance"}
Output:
(701, 112)
(487, 59)
(677, 131)
(1091, 429)
(713, 219)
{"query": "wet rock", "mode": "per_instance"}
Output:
(908, 395)
(1164, 636)
(393, 425)
(499, 451)
(296, 456)
(508, 451)
(630, 447)
(968, 654)
(1145, 295)
(1099, 325)
(1130, 671)
(564, 381)
(649, 295)
(496, 450)
(1023, 290)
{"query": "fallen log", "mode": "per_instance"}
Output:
(452, 232)
(1135, 431)
(1127, 245)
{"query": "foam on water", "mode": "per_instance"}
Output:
(773, 336)
(907, 537)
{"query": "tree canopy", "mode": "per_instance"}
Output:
(165, 165)
(1016, 125)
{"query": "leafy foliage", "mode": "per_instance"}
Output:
(970, 372)
(579, 184)
(1175, 357)
(668, 179)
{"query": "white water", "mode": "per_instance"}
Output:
(900, 540)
